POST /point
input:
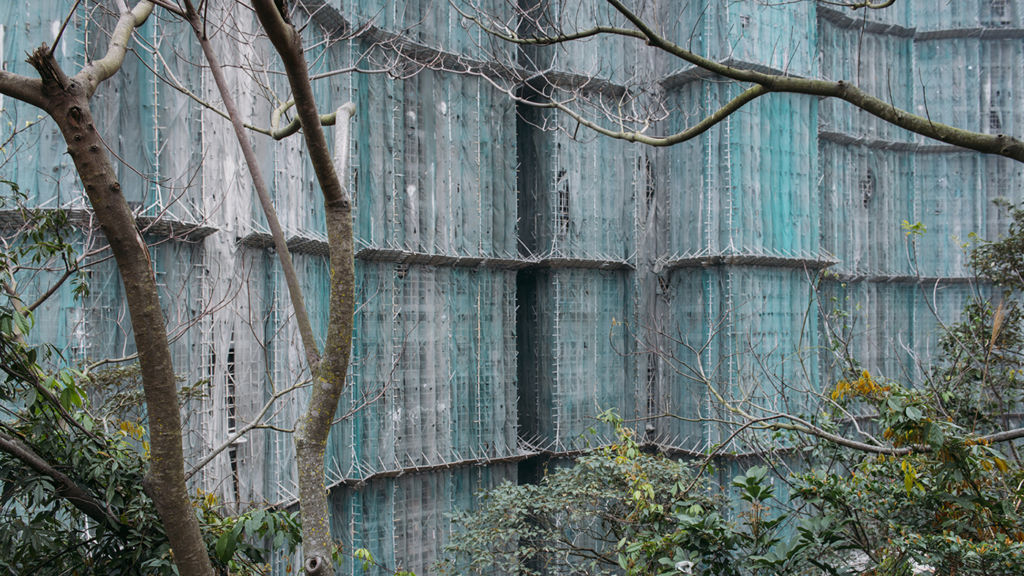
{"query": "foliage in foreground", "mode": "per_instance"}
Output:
(949, 494)
(935, 485)
(619, 509)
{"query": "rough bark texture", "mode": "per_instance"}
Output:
(66, 100)
(315, 424)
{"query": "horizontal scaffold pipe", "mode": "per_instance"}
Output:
(416, 469)
(163, 226)
(880, 278)
(318, 246)
(750, 259)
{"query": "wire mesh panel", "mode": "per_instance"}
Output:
(773, 167)
(688, 23)
(597, 59)
(778, 35)
(867, 194)
(577, 196)
(747, 187)
(575, 354)
(949, 88)
(36, 160)
(429, 23)
(876, 59)
(365, 518)
(891, 330)
(936, 307)
(772, 337)
(1003, 178)
(952, 204)
(867, 323)
(747, 336)
(435, 170)
(433, 353)
(286, 365)
(152, 129)
(60, 321)
(403, 521)
(432, 170)
(965, 15)
(368, 435)
(109, 317)
(689, 352)
(482, 353)
(177, 130)
(689, 173)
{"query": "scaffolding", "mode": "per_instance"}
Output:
(513, 268)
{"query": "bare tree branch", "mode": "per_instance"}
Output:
(764, 82)
(256, 422)
(998, 144)
(99, 70)
(23, 88)
(748, 95)
(861, 4)
(262, 191)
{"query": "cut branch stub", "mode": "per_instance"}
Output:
(50, 73)
(314, 565)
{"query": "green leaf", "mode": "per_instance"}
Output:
(68, 398)
(936, 437)
(225, 547)
(22, 322)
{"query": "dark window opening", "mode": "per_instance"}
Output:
(562, 209)
(229, 392)
(994, 122)
(867, 188)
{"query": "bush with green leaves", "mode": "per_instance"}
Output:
(943, 489)
(55, 441)
(620, 509)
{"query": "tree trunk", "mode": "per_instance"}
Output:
(67, 102)
(315, 425)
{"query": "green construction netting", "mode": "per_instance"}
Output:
(747, 187)
(746, 334)
(455, 364)
(403, 521)
(574, 354)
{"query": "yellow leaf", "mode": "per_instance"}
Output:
(1000, 463)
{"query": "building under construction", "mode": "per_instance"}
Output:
(517, 274)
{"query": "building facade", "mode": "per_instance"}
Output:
(517, 275)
